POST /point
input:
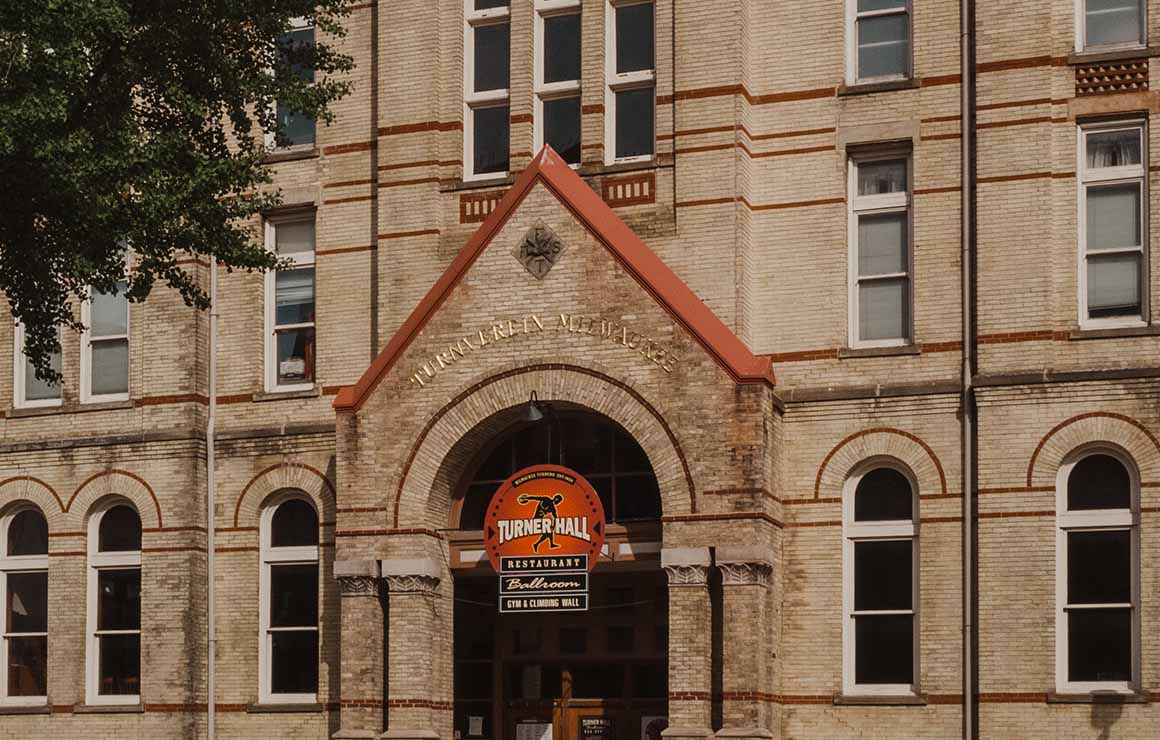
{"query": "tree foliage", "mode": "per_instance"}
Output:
(141, 123)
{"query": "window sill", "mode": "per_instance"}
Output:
(1095, 57)
(314, 392)
(887, 700)
(1099, 697)
(865, 88)
(70, 408)
(25, 709)
(500, 181)
(290, 155)
(1113, 333)
(311, 708)
(595, 169)
(848, 353)
(109, 708)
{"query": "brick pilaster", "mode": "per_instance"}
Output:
(361, 689)
(690, 642)
(413, 704)
(745, 575)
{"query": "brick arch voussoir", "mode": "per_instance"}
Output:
(907, 448)
(282, 476)
(1088, 428)
(114, 483)
(27, 489)
(415, 503)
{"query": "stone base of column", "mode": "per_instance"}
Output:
(744, 733)
(354, 735)
(409, 735)
(686, 733)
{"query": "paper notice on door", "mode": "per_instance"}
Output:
(474, 726)
(534, 731)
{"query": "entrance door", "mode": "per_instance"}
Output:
(592, 675)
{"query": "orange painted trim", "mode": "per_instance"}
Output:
(639, 261)
(1081, 417)
(114, 471)
(42, 484)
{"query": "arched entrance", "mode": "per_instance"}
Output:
(602, 673)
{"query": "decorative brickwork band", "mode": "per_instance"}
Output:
(474, 208)
(745, 574)
(631, 190)
(358, 586)
(407, 576)
(1129, 75)
(411, 584)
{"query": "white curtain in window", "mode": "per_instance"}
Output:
(876, 178)
(1113, 148)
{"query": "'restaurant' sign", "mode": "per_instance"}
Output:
(543, 533)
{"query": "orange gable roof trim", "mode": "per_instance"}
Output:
(633, 254)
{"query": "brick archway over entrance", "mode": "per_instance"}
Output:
(449, 440)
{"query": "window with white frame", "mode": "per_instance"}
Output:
(105, 345)
(289, 601)
(557, 77)
(1113, 223)
(299, 129)
(290, 339)
(114, 605)
(1097, 574)
(30, 391)
(880, 594)
(631, 80)
(24, 596)
(878, 40)
(880, 262)
(486, 78)
(1110, 24)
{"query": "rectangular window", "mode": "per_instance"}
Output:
(1113, 224)
(1110, 24)
(879, 232)
(630, 92)
(878, 34)
(30, 391)
(290, 339)
(298, 128)
(486, 79)
(557, 77)
(105, 345)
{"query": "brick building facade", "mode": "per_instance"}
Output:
(741, 267)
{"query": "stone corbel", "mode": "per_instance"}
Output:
(411, 576)
(686, 566)
(357, 577)
(744, 566)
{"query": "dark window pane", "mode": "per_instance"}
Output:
(491, 57)
(28, 533)
(1099, 482)
(294, 595)
(475, 505)
(120, 665)
(120, 530)
(27, 666)
(603, 488)
(533, 444)
(294, 296)
(634, 37)
(630, 458)
(587, 445)
(573, 640)
(27, 602)
(883, 495)
(621, 638)
(484, 4)
(562, 48)
(884, 649)
(295, 523)
(882, 575)
(650, 681)
(297, 127)
(634, 123)
(498, 464)
(562, 127)
(598, 680)
(491, 140)
(473, 681)
(1099, 645)
(637, 497)
(533, 681)
(295, 355)
(119, 599)
(294, 662)
(1099, 567)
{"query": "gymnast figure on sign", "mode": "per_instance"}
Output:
(545, 509)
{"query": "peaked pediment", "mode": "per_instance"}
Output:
(652, 274)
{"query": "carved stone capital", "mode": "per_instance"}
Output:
(753, 573)
(687, 574)
(406, 576)
(358, 585)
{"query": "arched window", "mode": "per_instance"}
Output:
(880, 576)
(1097, 582)
(288, 653)
(114, 605)
(592, 445)
(24, 596)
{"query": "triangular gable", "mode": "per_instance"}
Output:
(633, 254)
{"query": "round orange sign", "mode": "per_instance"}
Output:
(545, 517)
